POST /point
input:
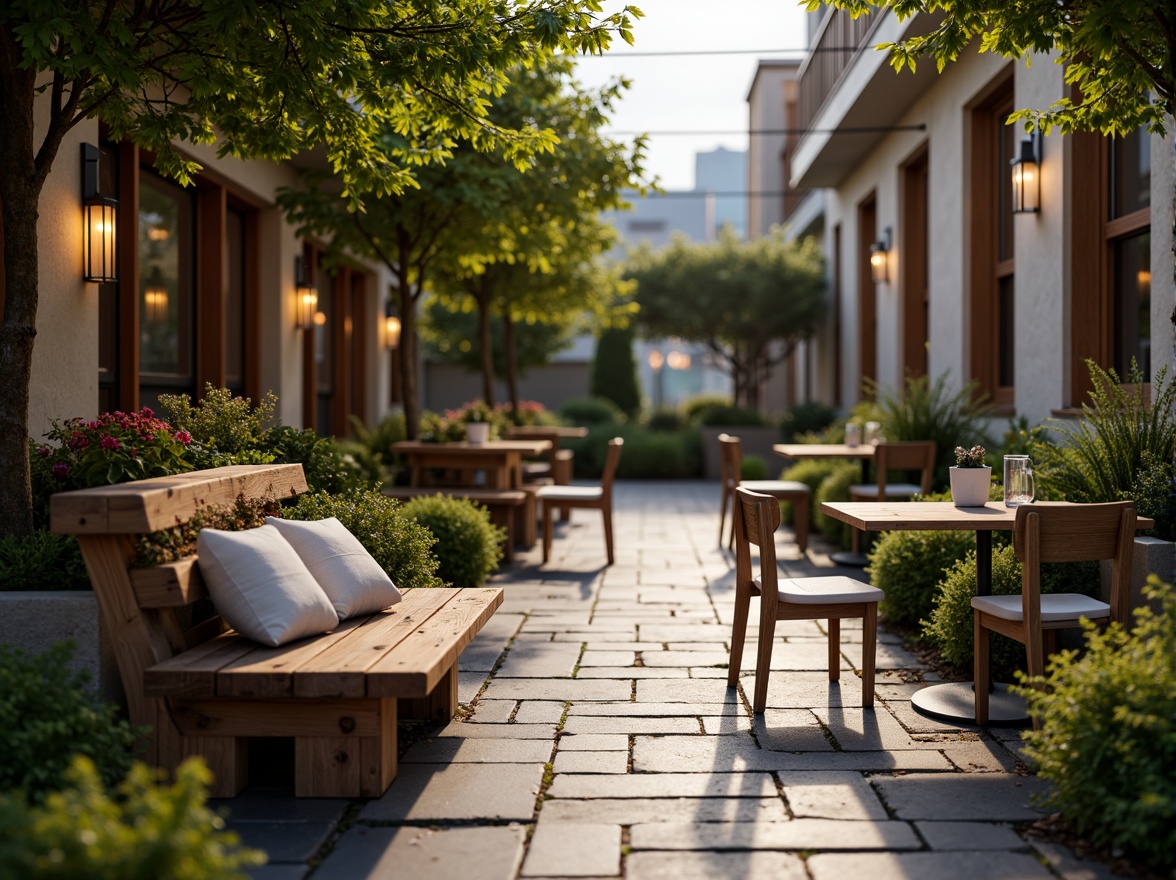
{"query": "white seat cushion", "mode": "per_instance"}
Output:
(261, 587)
(775, 487)
(1054, 607)
(351, 578)
(893, 490)
(825, 590)
(570, 493)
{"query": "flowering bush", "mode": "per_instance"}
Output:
(114, 448)
(970, 458)
(530, 413)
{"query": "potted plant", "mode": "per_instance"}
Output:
(970, 478)
(477, 416)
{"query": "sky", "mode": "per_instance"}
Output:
(692, 92)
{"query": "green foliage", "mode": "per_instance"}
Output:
(666, 418)
(145, 830)
(324, 464)
(926, 410)
(950, 625)
(467, 543)
(811, 472)
(753, 467)
(806, 418)
(695, 406)
(647, 455)
(591, 411)
(42, 561)
(369, 466)
(727, 415)
(1121, 449)
(450, 334)
(402, 547)
(908, 567)
(224, 429)
(47, 715)
(614, 370)
(379, 439)
(1020, 439)
(531, 412)
(726, 295)
(1107, 741)
(835, 487)
(179, 541)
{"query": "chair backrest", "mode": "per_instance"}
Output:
(1064, 532)
(908, 455)
(610, 464)
(757, 517)
(730, 460)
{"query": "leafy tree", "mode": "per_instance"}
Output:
(261, 80)
(749, 302)
(614, 369)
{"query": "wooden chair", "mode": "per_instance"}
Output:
(1057, 532)
(829, 598)
(596, 497)
(730, 467)
(911, 455)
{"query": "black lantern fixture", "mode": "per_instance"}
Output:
(306, 297)
(99, 223)
(391, 326)
(879, 257)
(1026, 169)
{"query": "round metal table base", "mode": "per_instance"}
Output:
(852, 560)
(955, 702)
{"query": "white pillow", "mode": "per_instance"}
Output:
(261, 587)
(349, 576)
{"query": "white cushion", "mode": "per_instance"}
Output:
(825, 590)
(775, 487)
(1054, 607)
(261, 587)
(893, 490)
(351, 578)
(570, 493)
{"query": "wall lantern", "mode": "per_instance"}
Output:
(155, 298)
(306, 298)
(100, 223)
(391, 327)
(879, 254)
(1026, 167)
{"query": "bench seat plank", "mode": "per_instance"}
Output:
(193, 673)
(422, 659)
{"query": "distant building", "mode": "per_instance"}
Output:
(723, 174)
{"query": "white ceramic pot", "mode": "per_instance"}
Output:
(969, 486)
(477, 432)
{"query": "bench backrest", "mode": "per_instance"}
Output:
(143, 609)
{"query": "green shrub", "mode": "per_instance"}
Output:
(467, 542)
(42, 561)
(908, 567)
(926, 410)
(614, 370)
(1019, 439)
(47, 714)
(810, 471)
(650, 455)
(695, 406)
(368, 464)
(666, 419)
(326, 468)
(224, 429)
(950, 625)
(726, 415)
(1122, 448)
(402, 547)
(806, 418)
(753, 467)
(147, 830)
(589, 411)
(179, 541)
(1107, 741)
(835, 487)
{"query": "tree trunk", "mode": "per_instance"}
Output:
(511, 363)
(484, 284)
(20, 192)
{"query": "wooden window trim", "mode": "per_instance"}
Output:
(867, 216)
(914, 278)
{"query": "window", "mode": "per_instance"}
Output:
(993, 241)
(235, 283)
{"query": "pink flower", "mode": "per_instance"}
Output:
(110, 444)
(77, 440)
(60, 470)
(183, 436)
(44, 451)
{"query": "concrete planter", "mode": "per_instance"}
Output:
(756, 440)
(969, 486)
(35, 620)
(1152, 556)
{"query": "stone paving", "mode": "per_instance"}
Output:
(603, 742)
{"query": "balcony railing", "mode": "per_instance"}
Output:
(838, 43)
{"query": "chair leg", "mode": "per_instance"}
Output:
(723, 514)
(800, 522)
(738, 633)
(856, 540)
(608, 532)
(869, 653)
(1035, 657)
(763, 654)
(547, 512)
(834, 649)
(981, 682)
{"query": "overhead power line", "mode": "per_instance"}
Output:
(849, 129)
(682, 52)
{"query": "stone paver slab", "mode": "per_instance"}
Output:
(539, 712)
(632, 672)
(685, 658)
(799, 834)
(492, 711)
(980, 756)
(567, 849)
(594, 742)
(473, 853)
(996, 797)
(870, 730)
(802, 690)
(608, 658)
(470, 730)
(632, 811)
(791, 730)
(630, 725)
(968, 836)
(720, 725)
(664, 785)
(454, 750)
(986, 865)
(279, 805)
(284, 841)
(701, 691)
(831, 795)
(567, 689)
(591, 762)
(713, 866)
(653, 710)
(458, 791)
(540, 660)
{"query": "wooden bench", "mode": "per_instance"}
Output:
(508, 508)
(205, 691)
